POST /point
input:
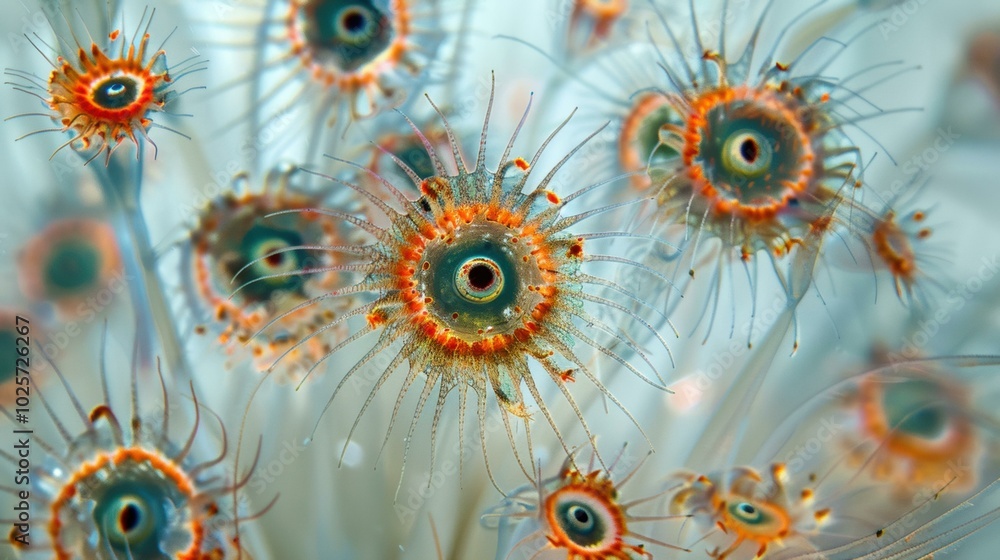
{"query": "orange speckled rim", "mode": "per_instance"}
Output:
(767, 99)
(446, 220)
(368, 75)
(72, 90)
(39, 248)
(628, 155)
(598, 492)
(960, 441)
(242, 321)
(163, 465)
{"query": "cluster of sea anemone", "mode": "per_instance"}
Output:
(582, 279)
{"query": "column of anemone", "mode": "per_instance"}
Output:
(103, 95)
(345, 59)
(582, 512)
(129, 489)
(790, 509)
(737, 511)
(233, 267)
(474, 281)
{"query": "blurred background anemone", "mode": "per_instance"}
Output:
(805, 337)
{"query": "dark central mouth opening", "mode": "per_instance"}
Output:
(749, 150)
(581, 516)
(129, 518)
(116, 93)
(275, 259)
(481, 277)
(354, 21)
(749, 509)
